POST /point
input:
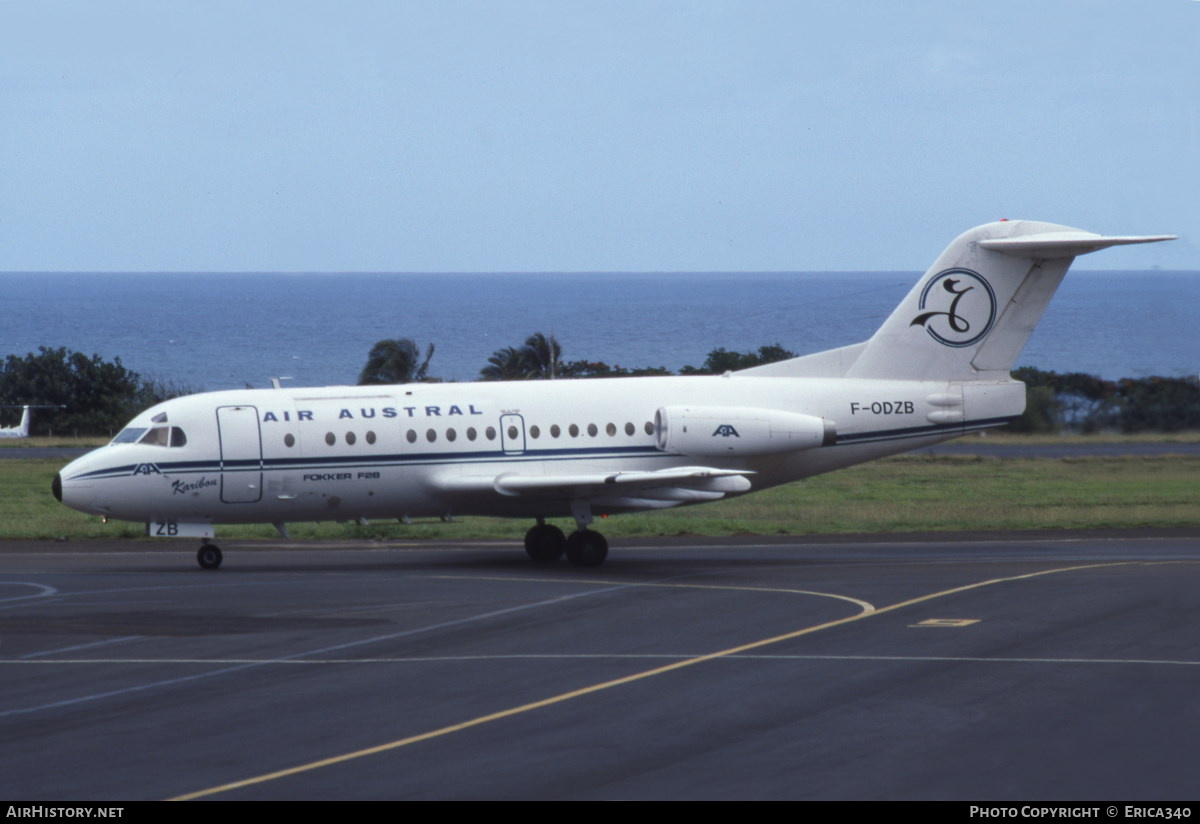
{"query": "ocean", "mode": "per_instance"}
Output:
(220, 331)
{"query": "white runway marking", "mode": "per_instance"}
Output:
(617, 656)
(862, 605)
(43, 591)
(244, 665)
(76, 647)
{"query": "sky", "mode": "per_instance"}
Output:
(572, 135)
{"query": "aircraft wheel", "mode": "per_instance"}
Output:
(545, 543)
(209, 556)
(586, 548)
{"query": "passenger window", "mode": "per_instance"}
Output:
(330, 438)
(289, 440)
(350, 438)
(534, 431)
(630, 428)
(430, 435)
(490, 433)
(592, 430)
(555, 431)
(649, 428)
(451, 434)
(370, 436)
(573, 430)
(611, 429)
(471, 433)
(411, 436)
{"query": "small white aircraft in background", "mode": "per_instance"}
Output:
(21, 430)
(938, 367)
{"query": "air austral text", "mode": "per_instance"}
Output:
(43, 811)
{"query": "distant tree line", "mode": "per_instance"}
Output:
(540, 358)
(1075, 402)
(97, 397)
(1055, 403)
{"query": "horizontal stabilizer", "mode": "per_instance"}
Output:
(1064, 244)
(968, 318)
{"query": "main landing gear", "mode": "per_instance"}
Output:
(209, 556)
(546, 543)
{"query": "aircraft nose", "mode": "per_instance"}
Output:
(73, 487)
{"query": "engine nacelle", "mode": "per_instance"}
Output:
(715, 431)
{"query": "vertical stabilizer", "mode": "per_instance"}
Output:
(969, 317)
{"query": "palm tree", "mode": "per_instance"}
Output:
(539, 357)
(397, 360)
(542, 355)
(505, 364)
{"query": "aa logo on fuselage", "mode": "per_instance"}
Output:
(961, 307)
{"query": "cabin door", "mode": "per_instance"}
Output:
(241, 454)
(512, 434)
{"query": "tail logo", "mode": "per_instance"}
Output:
(962, 308)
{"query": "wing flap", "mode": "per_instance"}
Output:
(675, 485)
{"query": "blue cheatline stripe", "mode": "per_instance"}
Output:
(496, 456)
(921, 431)
(376, 461)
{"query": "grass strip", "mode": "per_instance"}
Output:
(900, 494)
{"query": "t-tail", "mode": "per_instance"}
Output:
(969, 316)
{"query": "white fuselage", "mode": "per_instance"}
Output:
(346, 453)
(937, 367)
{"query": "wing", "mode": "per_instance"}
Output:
(635, 489)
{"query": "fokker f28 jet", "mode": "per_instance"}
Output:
(937, 368)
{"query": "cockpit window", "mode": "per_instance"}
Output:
(129, 434)
(158, 436)
(164, 436)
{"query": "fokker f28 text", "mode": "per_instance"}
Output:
(937, 367)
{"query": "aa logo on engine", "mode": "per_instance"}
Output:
(726, 430)
(961, 307)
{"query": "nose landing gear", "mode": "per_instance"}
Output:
(209, 556)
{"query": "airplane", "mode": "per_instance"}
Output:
(21, 430)
(937, 368)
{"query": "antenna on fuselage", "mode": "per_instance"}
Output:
(275, 381)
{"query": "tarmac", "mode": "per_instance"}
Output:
(1039, 666)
